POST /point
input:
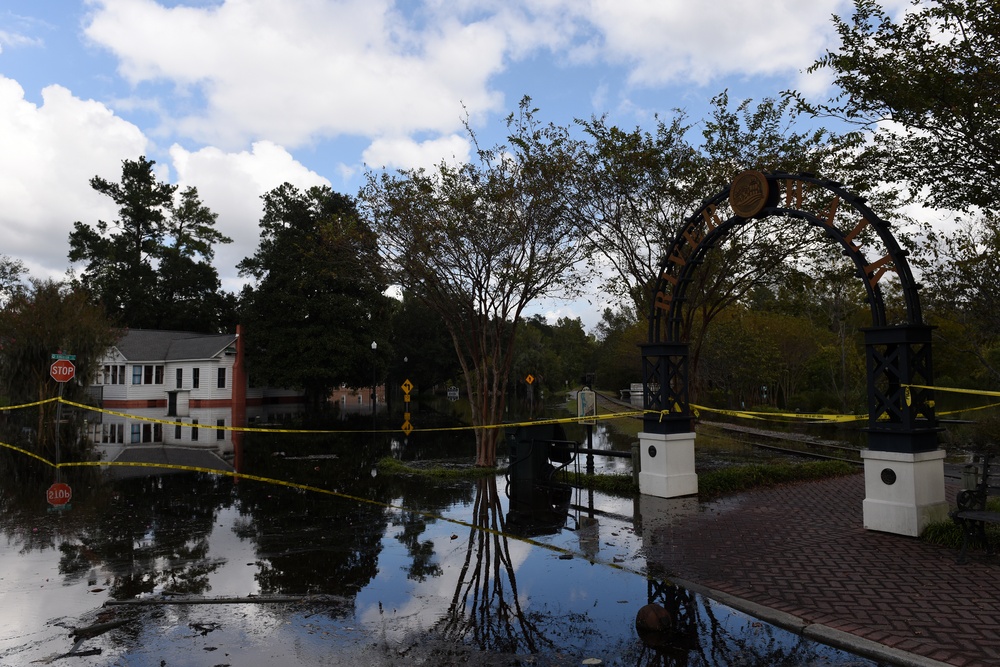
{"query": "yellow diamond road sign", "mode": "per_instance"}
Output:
(407, 428)
(407, 386)
(529, 379)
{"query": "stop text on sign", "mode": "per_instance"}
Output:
(62, 370)
(59, 494)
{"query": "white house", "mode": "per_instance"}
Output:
(184, 381)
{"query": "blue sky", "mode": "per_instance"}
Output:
(237, 96)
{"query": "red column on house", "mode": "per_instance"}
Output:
(239, 399)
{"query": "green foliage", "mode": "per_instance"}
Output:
(933, 73)
(318, 300)
(477, 243)
(622, 485)
(949, 533)
(962, 269)
(150, 268)
(618, 362)
(557, 356)
(43, 319)
(391, 466)
(423, 349)
(188, 287)
(12, 272)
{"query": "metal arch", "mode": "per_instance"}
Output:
(691, 243)
(898, 357)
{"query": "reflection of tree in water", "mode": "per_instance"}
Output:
(422, 553)
(152, 533)
(310, 544)
(485, 609)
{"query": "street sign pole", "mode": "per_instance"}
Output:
(62, 371)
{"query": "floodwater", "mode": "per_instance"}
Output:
(313, 558)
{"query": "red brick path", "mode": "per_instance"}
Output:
(802, 549)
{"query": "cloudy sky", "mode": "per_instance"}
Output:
(237, 96)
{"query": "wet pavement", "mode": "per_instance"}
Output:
(332, 563)
(801, 551)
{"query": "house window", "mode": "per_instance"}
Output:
(222, 379)
(113, 433)
(147, 433)
(219, 433)
(148, 374)
(194, 430)
(157, 432)
(136, 432)
(180, 378)
(113, 374)
(195, 377)
(177, 432)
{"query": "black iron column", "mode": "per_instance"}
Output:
(665, 388)
(901, 418)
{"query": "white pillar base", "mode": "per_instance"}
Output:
(904, 492)
(666, 465)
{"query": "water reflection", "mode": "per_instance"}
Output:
(148, 537)
(440, 572)
(486, 609)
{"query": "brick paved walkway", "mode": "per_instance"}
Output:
(802, 549)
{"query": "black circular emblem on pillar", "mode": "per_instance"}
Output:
(888, 476)
(652, 452)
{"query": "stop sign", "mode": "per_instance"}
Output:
(62, 370)
(59, 494)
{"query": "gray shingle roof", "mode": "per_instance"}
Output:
(153, 345)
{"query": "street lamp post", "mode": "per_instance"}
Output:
(374, 378)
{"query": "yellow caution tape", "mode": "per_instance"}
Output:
(772, 416)
(953, 390)
(696, 411)
(316, 489)
(251, 429)
(30, 405)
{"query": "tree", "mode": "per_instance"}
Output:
(631, 199)
(424, 353)
(120, 256)
(46, 318)
(637, 188)
(961, 272)
(150, 268)
(929, 84)
(477, 243)
(189, 290)
(12, 272)
(318, 300)
(618, 362)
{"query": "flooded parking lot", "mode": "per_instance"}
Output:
(311, 557)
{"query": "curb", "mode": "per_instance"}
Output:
(815, 631)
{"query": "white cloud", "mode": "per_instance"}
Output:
(50, 153)
(14, 39)
(406, 153)
(670, 41)
(231, 184)
(292, 72)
